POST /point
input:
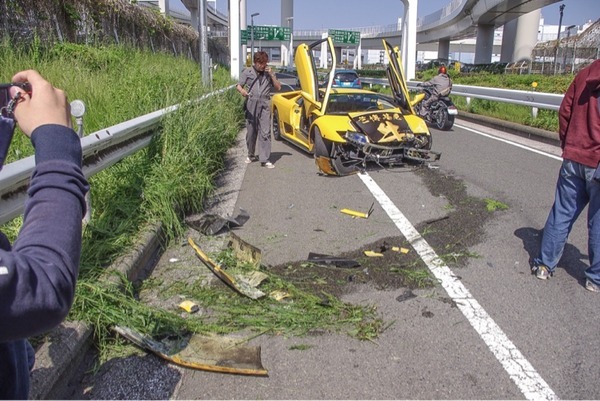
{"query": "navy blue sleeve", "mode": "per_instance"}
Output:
(38, 276)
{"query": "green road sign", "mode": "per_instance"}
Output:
(346, 37)
(266, 33)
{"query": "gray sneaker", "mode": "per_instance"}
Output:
(542, 272)
(591, 286)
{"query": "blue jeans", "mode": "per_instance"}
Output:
(574, 190)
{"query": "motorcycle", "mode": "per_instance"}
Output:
(439, 113)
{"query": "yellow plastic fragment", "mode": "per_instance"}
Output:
(189, 306)
(278, 295)
(372, 254)
(355, 213)
(400, 249)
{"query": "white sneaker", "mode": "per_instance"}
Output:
(268, 165)
(590, 286)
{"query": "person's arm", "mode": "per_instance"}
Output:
(564, 112)
(38, 276)
(241, 90)
(241, 85)
(274, 80)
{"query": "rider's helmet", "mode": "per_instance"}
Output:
(442, 70)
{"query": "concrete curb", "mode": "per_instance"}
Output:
(58, 359)
(512, 128)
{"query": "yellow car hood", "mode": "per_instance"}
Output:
(382, 126)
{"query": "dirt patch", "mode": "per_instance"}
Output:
(450, 236)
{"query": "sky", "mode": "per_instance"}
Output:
(344, 14)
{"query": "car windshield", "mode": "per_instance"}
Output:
(343, 103)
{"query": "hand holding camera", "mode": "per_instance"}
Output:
(30, 101)
(43, 105)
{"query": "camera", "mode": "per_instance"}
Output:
(5, 97)
(7, 120)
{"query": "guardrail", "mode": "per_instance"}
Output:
(101, 149)
(535, 100)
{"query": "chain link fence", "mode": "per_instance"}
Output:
(567, 56)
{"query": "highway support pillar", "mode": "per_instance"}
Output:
(519, 37)
(484, 45)
(444, 49)
(409, 38)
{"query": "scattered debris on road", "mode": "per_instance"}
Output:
(210, 353)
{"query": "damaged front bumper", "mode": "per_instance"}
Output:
(359, 149)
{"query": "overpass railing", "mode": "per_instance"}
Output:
(103, 148)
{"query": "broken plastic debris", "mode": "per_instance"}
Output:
(355, 213)
(211, 224)
(244, 251)
(211, 353)
(400, 249)
(189, 306)
(278, 295)
(241, 284)
(372, 254)
(332, 260)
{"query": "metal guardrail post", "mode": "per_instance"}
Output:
(77, 111)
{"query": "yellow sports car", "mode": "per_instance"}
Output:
(348, 128)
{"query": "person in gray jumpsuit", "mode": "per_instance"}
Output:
(256, 84)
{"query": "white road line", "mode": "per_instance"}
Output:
(518, 145)
(519, 369)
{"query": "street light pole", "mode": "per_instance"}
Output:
(566, 49)
(252, 36)
(291, 49)
(561, 9)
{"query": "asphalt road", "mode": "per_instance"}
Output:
(511, 336)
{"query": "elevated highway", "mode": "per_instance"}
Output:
(459, 19)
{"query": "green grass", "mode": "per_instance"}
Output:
(162, 183)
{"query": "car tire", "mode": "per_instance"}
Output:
(276, 126)
(324, 148)
(320, 148)
(343, 166)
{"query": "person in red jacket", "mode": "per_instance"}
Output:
(39, 270)
(578, 183)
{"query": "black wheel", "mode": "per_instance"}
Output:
(343, 165)
(439, 118)
(449, 123)
(321, 149)
(276, 125)
(334, 152)
(442, 119)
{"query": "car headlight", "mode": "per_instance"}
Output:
(356, 137)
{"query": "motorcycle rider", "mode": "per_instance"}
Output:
(440, 85)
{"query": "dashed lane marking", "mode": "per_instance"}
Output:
(522, 373)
